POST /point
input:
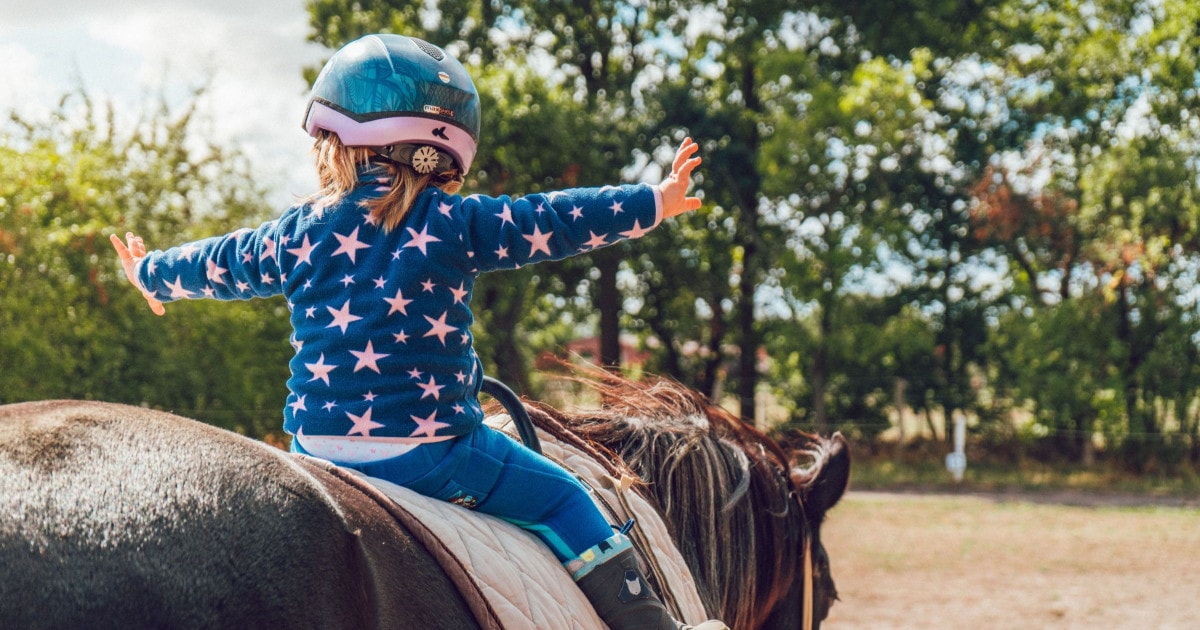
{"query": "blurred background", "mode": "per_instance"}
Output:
(960, 232)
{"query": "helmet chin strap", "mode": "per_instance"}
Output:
(423, 158)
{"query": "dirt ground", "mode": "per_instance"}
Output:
(996, 562)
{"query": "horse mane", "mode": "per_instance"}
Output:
(723, 486)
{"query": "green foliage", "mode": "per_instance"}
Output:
(73, 327)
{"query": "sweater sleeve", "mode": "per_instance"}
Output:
(237, 266)
(506, 233)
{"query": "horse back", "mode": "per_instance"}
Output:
(117, 516)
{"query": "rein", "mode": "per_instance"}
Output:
(808, 582)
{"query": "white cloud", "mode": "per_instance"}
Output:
(250, 55)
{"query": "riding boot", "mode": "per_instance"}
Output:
(613, 582)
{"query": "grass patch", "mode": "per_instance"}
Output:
(915, 472)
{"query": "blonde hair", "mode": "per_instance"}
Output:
(337, 175)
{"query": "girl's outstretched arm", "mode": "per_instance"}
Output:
(673, 189)
(130, 252)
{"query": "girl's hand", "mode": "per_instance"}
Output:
(674, 188)
(130, 255)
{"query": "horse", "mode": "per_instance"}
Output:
(115, 516)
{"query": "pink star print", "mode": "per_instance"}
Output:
(368, 358)
(421, 240)
(362, 424)
(459, 293)
(538, 242)
(427, 426)
(431, 388)
(320, 369)
(398, 303)
(215, 272)
(177, 290)
(506, 216)
(303, 253)
(268, 249)
(440, 328)
(596, 240)
(349, 244)
(342, 316)
(637, 232)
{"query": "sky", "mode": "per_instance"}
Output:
(251, 54)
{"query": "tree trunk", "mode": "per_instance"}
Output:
(609, 303)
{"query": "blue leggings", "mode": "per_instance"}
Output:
(486, 470)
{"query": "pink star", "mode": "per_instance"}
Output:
(268, 249)
(298, 405)
(362, 424)
(401, 337)
(431, 388)
(303, 253)
(415, 373)
(320, 369)
(399, 304)
(349, 245)
(342, 316)
(445, 208)
(506, 216)
(596, 241)
(502, 253)
(427, 426)
(538, 242)
(177, 290)
(428, 285)
(420, 241)
(637, 232)
(616, 208)
(576, 212)
(215, 272)
(368, 358)
(459, 293)
(188, 250)
(440, 328)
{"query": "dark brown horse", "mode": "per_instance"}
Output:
(119, 517)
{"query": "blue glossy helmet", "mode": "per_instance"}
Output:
(399, 95)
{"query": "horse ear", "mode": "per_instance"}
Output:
(822, 484)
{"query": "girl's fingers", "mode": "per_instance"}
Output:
(686, 149)
(122, 250)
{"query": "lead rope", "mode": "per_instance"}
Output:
(808, 582)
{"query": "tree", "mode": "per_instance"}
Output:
(73, 327)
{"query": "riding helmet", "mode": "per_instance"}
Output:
(408, 99)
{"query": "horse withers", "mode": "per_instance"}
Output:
(114, 516)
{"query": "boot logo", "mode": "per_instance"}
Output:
(634, 588)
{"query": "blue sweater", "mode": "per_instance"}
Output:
(381, 320)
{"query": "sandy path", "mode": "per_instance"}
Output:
(955, 561)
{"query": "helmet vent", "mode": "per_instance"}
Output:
(429, 49)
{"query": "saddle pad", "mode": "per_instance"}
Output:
(524, 585)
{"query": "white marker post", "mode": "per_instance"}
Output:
(956, 462)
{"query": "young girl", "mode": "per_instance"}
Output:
(378, 269)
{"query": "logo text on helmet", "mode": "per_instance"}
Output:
(439, 111)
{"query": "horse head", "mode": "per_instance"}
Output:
(744, 513)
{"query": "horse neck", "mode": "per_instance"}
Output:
(732, 515)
